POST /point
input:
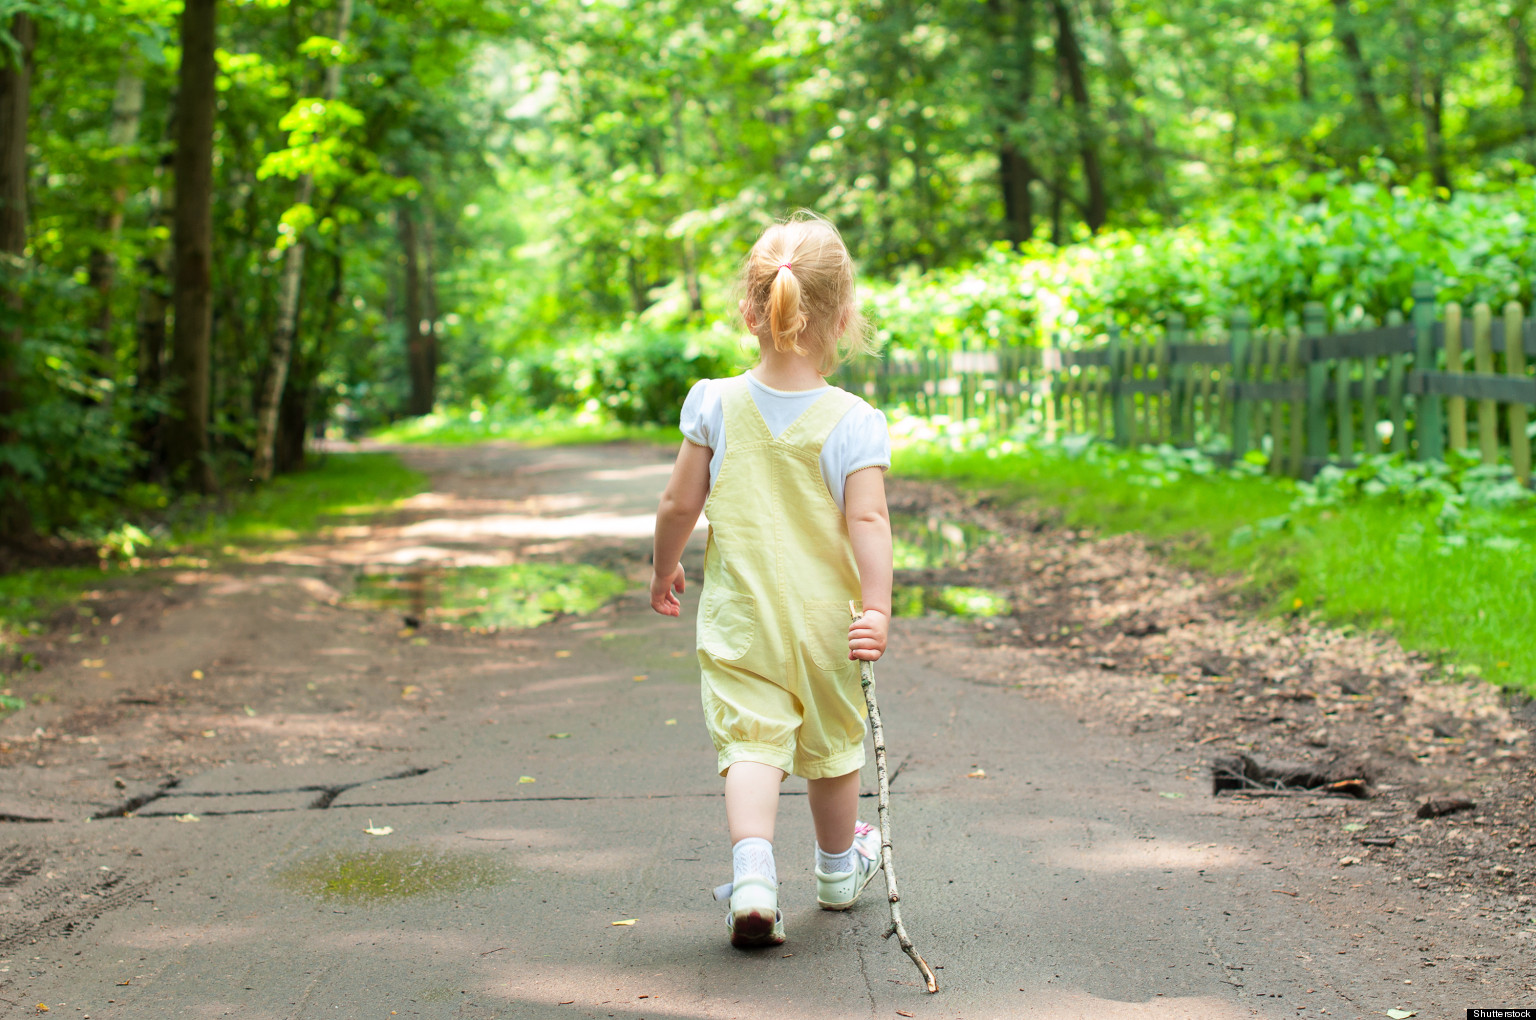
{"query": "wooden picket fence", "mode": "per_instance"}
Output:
(1304, 398)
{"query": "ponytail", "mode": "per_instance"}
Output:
(786, 319)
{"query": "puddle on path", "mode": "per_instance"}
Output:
(951, 600)
(378, 875)
(927, 542)
(520, 595)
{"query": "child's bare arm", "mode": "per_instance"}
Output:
(869, 528)
(681, 504)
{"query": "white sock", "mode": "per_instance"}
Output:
(836, 864)
(753, 858)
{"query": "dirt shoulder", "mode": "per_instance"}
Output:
(1141, 646)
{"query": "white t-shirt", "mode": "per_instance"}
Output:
(859, 441)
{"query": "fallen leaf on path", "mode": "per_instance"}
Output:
(1171, 796)
(42, 1007)
(197, 674)
(1354, 826)
(642, 676)
(121, 983)
(93, 663)
(1286, 892)
(1402, 1014)
(210, 733)
(558, 736)
(420, 641)
(526, 779)
(624, 924)
(405, 632)
(409, 691)
(565, 1002)
(1345, 862)
(188, 818)
(562, 654)
(382, 830)
(671, 722)
(902, 1012)
(978, 774)
(249, 710)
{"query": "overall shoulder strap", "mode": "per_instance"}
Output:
(810, 432)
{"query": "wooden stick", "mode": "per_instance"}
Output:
(867, 680)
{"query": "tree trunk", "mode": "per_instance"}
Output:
(1525, 70)
(1013, 26)
(1097, 210)
(127, 109)
(15, 101)
(187, 443)
(281, 353)
(417, 355)
(1344, 29)
(1303, 77)
(153, 307)
(430, 319)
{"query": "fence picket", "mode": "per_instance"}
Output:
(1430, 417)
(1317, 385)
(1242, 406)
(1344, 410)
(1397, 370)
(1514, 365)
(1296, 410)
(1455, 407)
(1482, 361)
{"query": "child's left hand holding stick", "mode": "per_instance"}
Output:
(681, 504)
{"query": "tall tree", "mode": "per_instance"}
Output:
(1096, 209)
(1014, 74)
(419, 356)
(15, 101)
(187, 443)
(127, 109)
(281, 354)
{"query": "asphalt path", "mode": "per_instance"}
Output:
(554, 791)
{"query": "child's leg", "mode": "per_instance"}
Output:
(834, 810)
(752, 800)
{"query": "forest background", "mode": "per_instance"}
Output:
(227, 226)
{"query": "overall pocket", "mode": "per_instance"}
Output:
(826, 633)
(727, 622)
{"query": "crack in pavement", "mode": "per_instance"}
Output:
(328, 794)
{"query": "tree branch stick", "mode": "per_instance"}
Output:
(867, 680)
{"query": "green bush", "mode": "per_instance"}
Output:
(637, 374)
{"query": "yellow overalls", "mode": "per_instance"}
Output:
(778, 686)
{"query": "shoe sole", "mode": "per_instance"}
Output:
(848, 905)
(752, 929)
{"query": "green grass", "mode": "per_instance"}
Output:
(1371, 563)
(549, 429)
(339, 485)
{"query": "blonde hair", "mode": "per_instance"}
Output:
(799, 280)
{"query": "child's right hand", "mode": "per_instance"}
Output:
(663, 599)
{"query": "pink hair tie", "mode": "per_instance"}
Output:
(786, 265)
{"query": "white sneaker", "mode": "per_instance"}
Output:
(840, 890)
(755, 919)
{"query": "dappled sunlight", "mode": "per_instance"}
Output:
(662, 470)
(524, 838)
(566, 683)
(1118, 857)
(170, 936)
(1084, 845)
(510, 526)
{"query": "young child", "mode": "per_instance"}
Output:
(790, 473)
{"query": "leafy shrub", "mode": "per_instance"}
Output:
(638, 374)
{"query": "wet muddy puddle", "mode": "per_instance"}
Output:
(492, 598)
(934, 543)
(381, 875)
